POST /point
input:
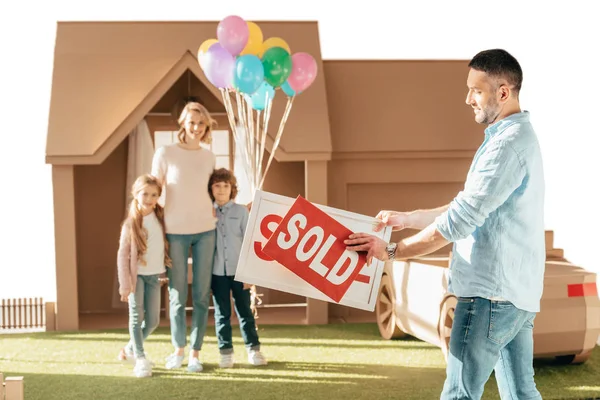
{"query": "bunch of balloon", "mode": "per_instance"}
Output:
(250, 71)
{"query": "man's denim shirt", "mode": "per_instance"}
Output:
(231, 227)
(497, 221)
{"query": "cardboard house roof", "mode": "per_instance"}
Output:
(108, 75)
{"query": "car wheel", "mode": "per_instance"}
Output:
(445, 323)
(384, 310)
(574, 358)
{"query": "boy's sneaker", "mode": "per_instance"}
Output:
(174, 361)
(152, 364)
(194, 365)
(142, 368)
(255, 357)
(126, 354)
(226, 361)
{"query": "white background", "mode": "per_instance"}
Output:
(556, 43)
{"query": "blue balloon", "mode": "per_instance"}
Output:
(288, 90)
(261, 97)
(248, 73)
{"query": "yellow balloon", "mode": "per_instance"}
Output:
(255, 40)
(274, 42)
(205, 46)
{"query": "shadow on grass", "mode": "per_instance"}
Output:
(290, 380)
(278, 380)
(306, 379)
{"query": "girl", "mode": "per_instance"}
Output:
(231, 227)
(184, 169)
(142, 257)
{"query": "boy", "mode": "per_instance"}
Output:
(231, 227)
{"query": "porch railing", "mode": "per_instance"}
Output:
(26, 315)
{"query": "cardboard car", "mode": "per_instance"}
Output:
(413, 300)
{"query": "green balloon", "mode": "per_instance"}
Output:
(277, 64)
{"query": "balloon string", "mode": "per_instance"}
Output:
(286, 113)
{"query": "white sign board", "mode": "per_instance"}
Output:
(256, 267)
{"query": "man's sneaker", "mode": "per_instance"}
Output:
(194, 365)
(126, 354)
(255, 357)
(174, 361)
(226, 361)
(142, 368)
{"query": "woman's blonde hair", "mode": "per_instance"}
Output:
(208, 120)
(135, 218)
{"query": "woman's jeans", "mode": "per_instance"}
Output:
(203, 251)
(489, 335)
(144, 311)
(223, 287)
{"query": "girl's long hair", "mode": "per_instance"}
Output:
(135, 219)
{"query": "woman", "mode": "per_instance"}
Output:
(184, 169)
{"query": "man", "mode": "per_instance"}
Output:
(496, 224)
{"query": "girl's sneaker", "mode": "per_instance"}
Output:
(226, 361)
(126, 354)
(143, 368)
(174, 361)
(255, 357)
(194, 365)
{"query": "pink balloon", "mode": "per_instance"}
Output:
(304, 72)
(233, 34)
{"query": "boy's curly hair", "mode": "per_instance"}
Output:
(223, 175)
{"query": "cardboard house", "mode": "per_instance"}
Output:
(367, 135)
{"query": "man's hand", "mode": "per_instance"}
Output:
(125, 298)
(396, 219)
(374, 246)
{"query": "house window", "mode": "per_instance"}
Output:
(219, 146)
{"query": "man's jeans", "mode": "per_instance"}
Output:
(223, 287)
(203, 252)
(144, 311)
(488, 336)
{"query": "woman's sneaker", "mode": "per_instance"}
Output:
(255, 357)
(194, 364)
(226, 361)
(143, 368)
(174, 361)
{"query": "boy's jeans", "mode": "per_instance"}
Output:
(144, 311)
(222, 286)
(488, 336)
(203, 252)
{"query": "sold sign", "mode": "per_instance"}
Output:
(265, 230)
(309, 243)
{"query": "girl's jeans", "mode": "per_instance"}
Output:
(144, 311)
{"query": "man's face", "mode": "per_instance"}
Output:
(483, 97)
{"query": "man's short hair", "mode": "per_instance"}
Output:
(499, 63)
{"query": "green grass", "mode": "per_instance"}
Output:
(340, 361)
